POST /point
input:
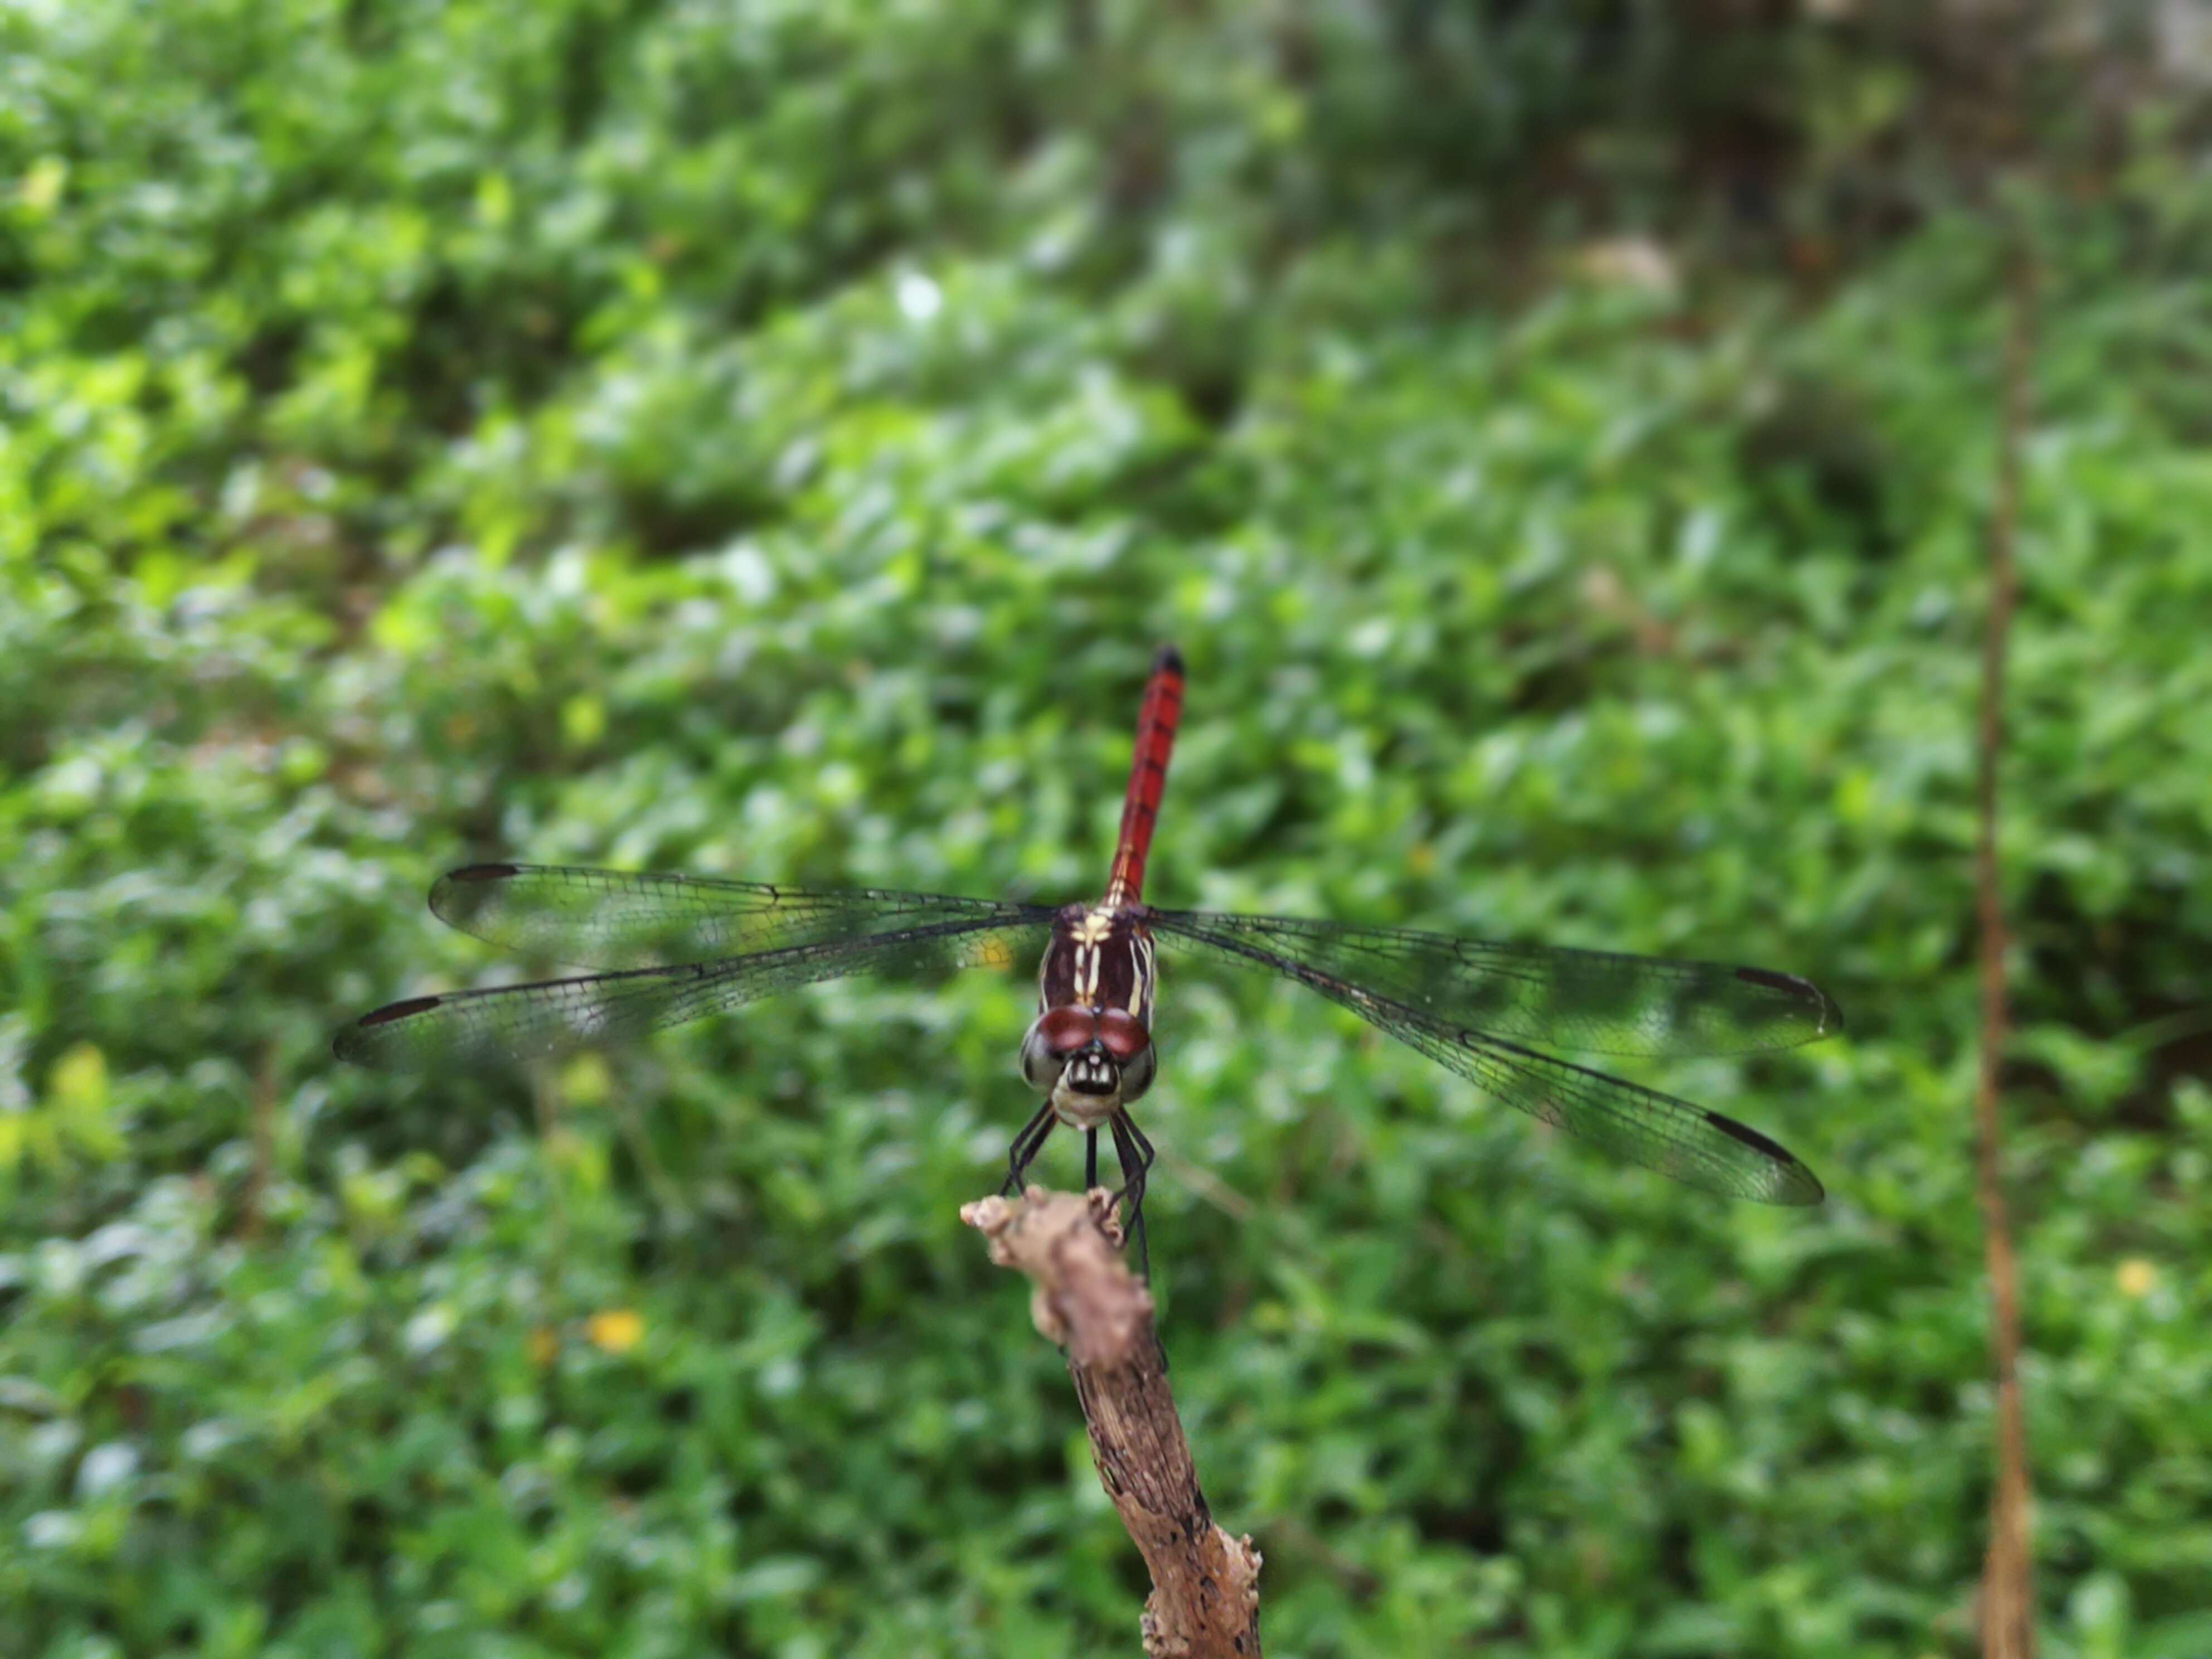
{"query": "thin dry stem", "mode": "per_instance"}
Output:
(265, 1144)
(1204, 1602)
(2007, 1591)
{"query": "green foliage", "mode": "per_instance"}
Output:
(771, 439)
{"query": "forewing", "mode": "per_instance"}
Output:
(1588, 1001)
(522, 1021)
(1700, 1148)
(618, 919)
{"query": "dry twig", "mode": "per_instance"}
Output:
(2007, 1595)
(1204, 1602)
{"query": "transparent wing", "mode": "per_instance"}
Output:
(1587, 1001)
(519, 1022)
(616, 919)
(1700, 1148)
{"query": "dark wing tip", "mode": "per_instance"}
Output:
(1168, 658)
(1771, 980)
(401, 1010)
(459, 895)
(1791, 1181)
(1827, 1018)
(350, 1044)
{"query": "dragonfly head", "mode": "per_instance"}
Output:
(1089, 1060)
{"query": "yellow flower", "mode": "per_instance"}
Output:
(617, 1330)
(2136, 1276)
(41, 187)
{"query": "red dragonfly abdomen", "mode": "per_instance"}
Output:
(1148, 776)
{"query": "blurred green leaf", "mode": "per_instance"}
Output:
(771, 441)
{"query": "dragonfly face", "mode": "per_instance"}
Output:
(1090, 1051)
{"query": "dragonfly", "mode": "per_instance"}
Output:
(668, 949)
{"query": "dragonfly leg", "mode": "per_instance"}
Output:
(1144, 1148)
(1025, 1149)
(1135, 1153)
(1090, 1160)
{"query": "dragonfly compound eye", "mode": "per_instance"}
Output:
(1122, 1033)
(1066, 1029)
(1056, 1034)
(1040, 1067)
(1137, 1071)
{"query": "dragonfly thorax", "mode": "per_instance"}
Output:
(1100, 957)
